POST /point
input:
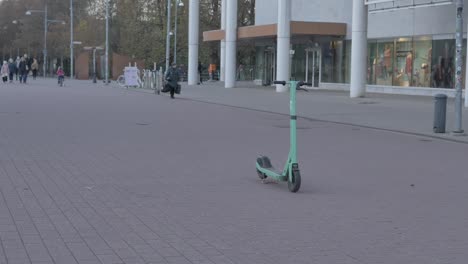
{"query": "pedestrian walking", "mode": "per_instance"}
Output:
(12, 69)
(23, 70)
(200, 70)
(29, 62)
(5, 71)
(17, 73)
(172, 78)
(34, 68)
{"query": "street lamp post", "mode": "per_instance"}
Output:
(107, 42)
(44, 66)
(46, 25)
(168, 34)
(459, 66)
(181, 4)
(71, 41)
(94, 49)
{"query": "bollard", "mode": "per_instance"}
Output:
(440, 113)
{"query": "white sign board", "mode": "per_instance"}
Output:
(131, 76)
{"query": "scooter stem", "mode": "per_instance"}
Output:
(293, 122)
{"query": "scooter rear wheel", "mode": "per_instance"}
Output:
(294, 184)
(261, 175)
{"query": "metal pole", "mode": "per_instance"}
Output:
(107, 42)
(168, 37)
(71, 40)
(466, 82)
(94, 66)
(175, 30)
(222, 60)
(44, 66)
(459, 66)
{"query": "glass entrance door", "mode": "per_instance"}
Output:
(269, 68)
(313, 67)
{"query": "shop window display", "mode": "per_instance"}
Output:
(372, 63)
(380, 63)
(403, 70)
(422, 63)
(443, 64)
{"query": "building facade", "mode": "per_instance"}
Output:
(410, 48)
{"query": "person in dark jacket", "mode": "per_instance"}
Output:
(12, 67)
(23, 70)
(18, 60)
(200, 71)
(172, 78)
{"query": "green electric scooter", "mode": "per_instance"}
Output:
(291, 172)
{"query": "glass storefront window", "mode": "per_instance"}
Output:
(443, 63)
(334, 62)
(380, 65)
(347, 62)
(259, 62)
(403, 62)
(385, 51)
(372, 62)
(415, 62)
(422, 63)
(298, 62)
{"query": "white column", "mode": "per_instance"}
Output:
(466, 80)
(284, 43)
(223, 42)
(194, 32)
(359, 50)
(231, 42)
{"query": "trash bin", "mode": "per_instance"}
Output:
(440, 113)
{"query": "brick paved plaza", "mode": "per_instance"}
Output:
(95, 174)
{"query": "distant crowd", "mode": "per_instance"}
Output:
(19, 69)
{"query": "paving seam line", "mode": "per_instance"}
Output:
(317, 120)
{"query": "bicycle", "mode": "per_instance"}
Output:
(61, 80)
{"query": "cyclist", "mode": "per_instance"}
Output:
(61, 75)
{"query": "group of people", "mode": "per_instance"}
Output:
(21, 68)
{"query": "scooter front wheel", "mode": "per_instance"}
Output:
(294, 184)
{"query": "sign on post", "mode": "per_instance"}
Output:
(131, 76)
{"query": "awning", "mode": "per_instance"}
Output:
(298, 28)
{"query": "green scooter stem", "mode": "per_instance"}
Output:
(291, 172)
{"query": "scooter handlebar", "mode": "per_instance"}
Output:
(304, 84)
(280, 82)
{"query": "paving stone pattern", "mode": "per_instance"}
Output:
(95, 174)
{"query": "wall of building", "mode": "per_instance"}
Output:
(306, 10)
(438, 21)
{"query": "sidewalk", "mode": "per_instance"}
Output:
(96, 174)
(397, 113)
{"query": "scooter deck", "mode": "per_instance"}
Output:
(264, 163)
